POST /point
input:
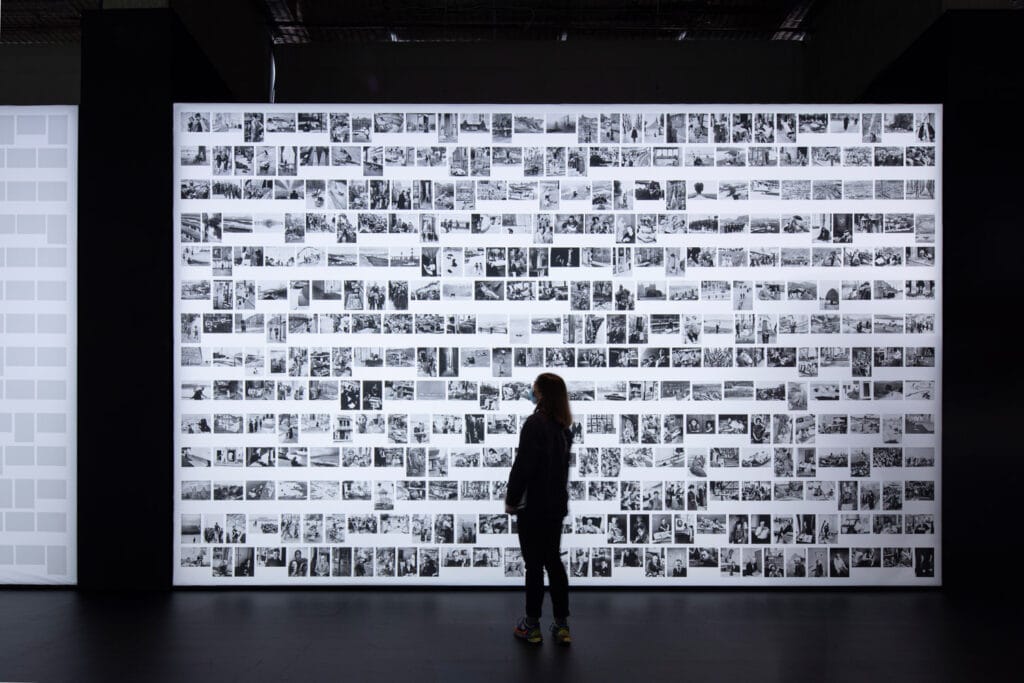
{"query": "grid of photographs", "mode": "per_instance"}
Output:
(744, 302)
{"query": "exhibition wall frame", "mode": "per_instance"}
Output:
(38, 300)
(744, 301)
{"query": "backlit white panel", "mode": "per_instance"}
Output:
(743, 299)
(38, 231)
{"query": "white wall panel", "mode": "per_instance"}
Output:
(38, 231)
(744, 300)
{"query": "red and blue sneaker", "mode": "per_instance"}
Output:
(529, 632)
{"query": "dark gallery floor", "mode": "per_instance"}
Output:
(363, 635)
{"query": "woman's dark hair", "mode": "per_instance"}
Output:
(554, 398)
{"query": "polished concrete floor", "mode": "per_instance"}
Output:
(366, 635)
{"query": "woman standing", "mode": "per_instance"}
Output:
(538, 495)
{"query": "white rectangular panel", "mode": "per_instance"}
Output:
(38, 234)
(744, 300)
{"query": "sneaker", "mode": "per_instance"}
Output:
(560, 632)
(530, 634)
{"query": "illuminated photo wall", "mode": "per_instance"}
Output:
(38, 230)
(743, 300)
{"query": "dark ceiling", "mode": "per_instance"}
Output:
(326, 21)
(43, 21)
(299, 21)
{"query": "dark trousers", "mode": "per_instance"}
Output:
(540, 541)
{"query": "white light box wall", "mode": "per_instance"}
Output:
(743, 300)
(38, 167)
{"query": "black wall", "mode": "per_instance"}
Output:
(544, 72)
(137, 63)
(970, 61)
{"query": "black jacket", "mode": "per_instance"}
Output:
(541, 468)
